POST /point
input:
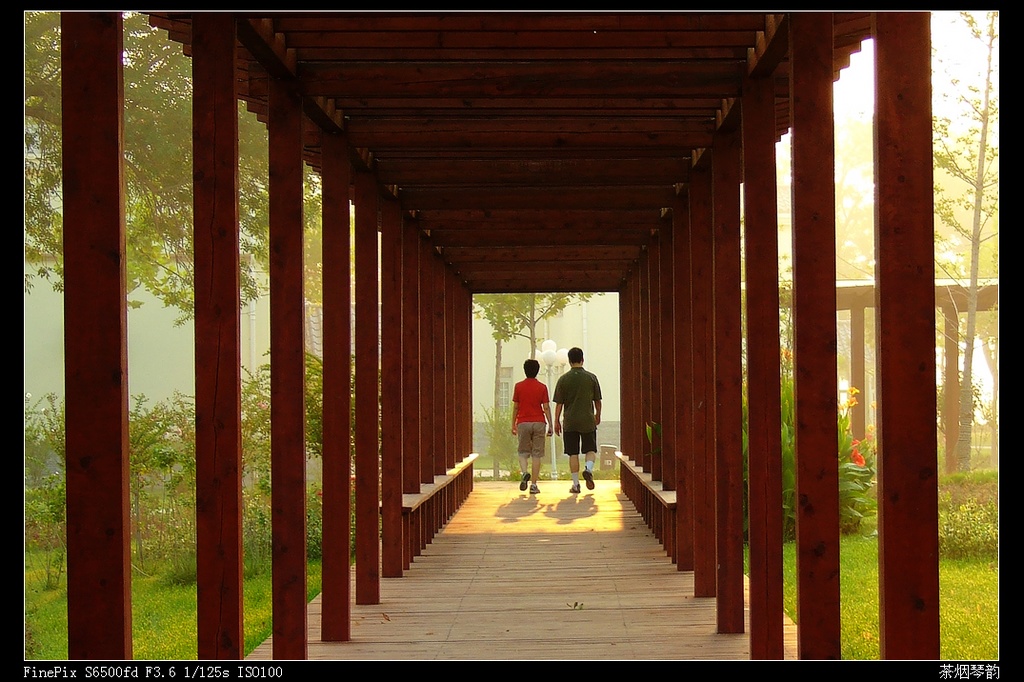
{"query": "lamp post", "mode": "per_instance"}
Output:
(552, 358)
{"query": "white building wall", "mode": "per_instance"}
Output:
(161, 356)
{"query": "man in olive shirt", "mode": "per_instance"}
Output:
(578, 398)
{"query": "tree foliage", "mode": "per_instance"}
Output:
(157, 167)
(517, 315)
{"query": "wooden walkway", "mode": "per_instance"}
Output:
(553, 576)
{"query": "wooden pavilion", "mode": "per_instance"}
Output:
(501, 152)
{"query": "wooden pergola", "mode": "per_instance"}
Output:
(509, 152)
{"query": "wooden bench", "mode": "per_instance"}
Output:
(425, 513)
(656, 505)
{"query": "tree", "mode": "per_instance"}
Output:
(158, 167)
(967, 193)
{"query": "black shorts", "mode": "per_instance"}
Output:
(577, 442)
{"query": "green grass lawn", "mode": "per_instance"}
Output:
(968, 602)
(163, 617)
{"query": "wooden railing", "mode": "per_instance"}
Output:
(656, 505)
(425, 513)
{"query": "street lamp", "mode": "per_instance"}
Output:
(553, 358)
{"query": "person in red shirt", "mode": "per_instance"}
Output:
(531, 419)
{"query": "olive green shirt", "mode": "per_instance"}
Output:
(576, 391)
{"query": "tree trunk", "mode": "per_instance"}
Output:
(963, 444)
(497, 395)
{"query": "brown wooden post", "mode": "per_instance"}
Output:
(628, 442)
(439, 404)
(763, 372)
(703, 473)
(908, 552)
(727, 175)
(654, 351)
(367, 366)
(669, 418)
(391, 389)
(451, 368)
(814, 316)
(462, 321)
(683, 325)
(336, 580)
(643, 350)
(428, 262)
(217, 338)
(287, 372)
(411, 402)
(95, 338)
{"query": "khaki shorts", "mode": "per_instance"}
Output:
(531, 438)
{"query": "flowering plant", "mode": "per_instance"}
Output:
(856, 470)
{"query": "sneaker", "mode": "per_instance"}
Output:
(522, 483)
(534, 489)
(589, 478)
(575, 488)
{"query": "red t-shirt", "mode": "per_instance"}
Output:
(531, 395)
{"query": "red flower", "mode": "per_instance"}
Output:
(857, 458)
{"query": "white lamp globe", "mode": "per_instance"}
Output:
(550, 356)
(549, 345)
(563, 356)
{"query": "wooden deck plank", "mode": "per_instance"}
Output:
(543, 577)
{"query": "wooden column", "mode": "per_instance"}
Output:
(439, 403)
(95, 338)
(905, 302)
(367, 396)
(451, 367)
(287, 372)
(814, 321)
(654, 352)
(336, 591)
(764, 410)
(411, 402)
(462, 343)
(683, 325)
(703, 473)
(428, 262)
(669, 419)
(727, 175)
(643, 350)
(628, 432)
(391, 389)
(218, 362)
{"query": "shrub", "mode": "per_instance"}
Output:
(969, 530)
